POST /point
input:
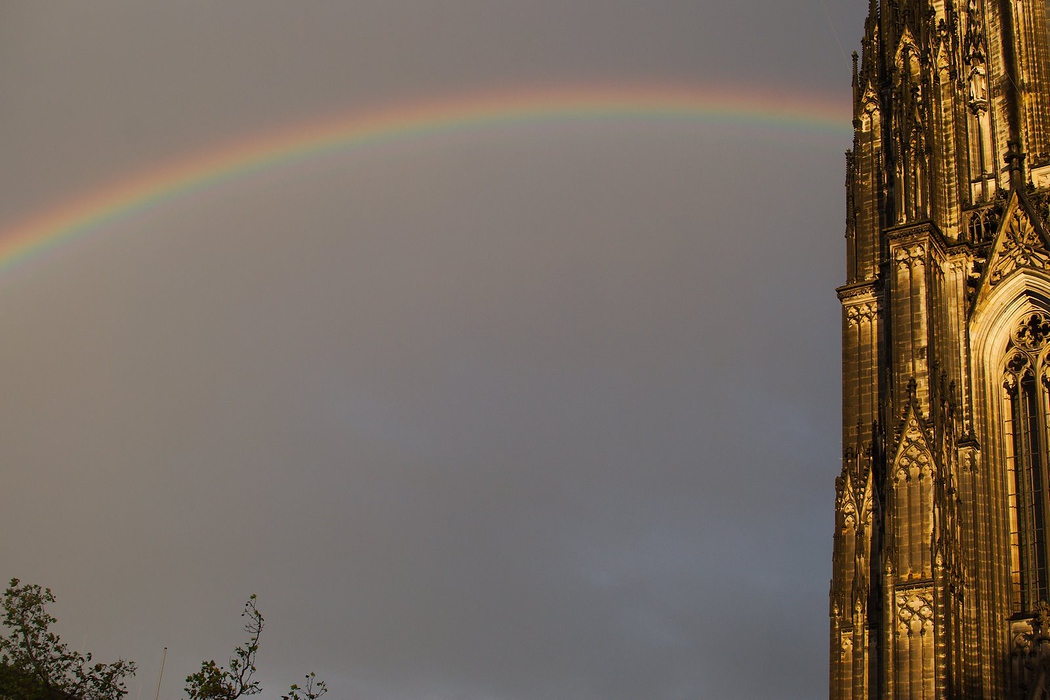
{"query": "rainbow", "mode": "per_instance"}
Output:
(92, 211)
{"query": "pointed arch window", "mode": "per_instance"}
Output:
(1025, 379)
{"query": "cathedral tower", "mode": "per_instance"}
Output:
(941, 571)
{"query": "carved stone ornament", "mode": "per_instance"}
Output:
(1017, 365)
(974, 42)
(1041, 622)
(1033, 331)
(968, 461)
(914, 613)
(978, 87)
(913, 459)
(870, 110)
(907, 256)
(861, 313)
(848, 508)
(1022, 642)
(1022, 247)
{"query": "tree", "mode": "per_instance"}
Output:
(311, 691)
(36, 665)
(214, 682)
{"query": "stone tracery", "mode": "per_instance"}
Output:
(948, 285)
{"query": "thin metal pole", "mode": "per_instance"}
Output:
(161, 676)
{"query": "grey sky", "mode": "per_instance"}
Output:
(541, 413)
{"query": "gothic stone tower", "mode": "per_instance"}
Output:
(941, 570)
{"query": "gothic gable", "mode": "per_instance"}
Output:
(911, 485)
(867, 105)
(855, 494)
(913, 457)
(846, 501)
(1021, 243)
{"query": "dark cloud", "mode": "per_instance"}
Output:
(546, 412)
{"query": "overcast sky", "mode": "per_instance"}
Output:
(540, 412)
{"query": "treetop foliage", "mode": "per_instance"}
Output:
(214, 682)
(36, 665)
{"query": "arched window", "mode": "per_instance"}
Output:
(1026, 407)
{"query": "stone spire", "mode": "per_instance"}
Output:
(941, 565)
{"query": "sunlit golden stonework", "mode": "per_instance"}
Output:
(941, 570)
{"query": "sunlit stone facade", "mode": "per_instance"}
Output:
(941, 566)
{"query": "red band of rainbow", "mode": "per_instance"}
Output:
(81, 215)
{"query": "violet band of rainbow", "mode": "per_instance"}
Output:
(81, 215)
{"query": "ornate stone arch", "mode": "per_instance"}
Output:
(1009, 342)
